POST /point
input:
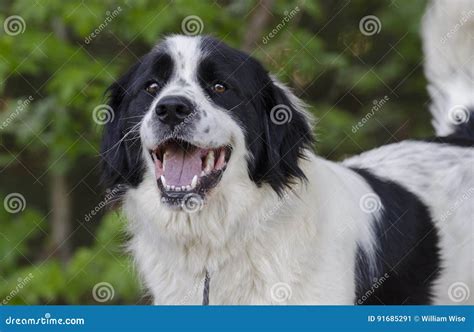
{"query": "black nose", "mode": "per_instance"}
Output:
(173, 110)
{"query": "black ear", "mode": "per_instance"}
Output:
(286, 133)
(120, 157)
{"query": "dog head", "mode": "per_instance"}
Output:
(195, 117)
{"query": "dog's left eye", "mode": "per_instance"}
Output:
(152, 88)
(218, 87)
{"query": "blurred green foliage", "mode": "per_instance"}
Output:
(45, 280)
(320, 52)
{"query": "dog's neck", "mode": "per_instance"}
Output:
(255, 238)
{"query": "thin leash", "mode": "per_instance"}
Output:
(205, 293)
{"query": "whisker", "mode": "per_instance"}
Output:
(132, 139)
(132, 117)
(134, 129)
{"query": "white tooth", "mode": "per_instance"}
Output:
(178, 189)
(163, 180)
(209, 162)
(183, 188)
(172, 187)
(164, 160)
(202, 173)
(194, 182)
(168, 188)
(188, 187)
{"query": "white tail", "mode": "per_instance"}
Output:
(448, 44)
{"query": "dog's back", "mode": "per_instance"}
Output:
(440, 171)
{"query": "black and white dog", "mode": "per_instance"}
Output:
(228, 204)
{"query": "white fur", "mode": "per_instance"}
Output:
(448, 42)
(246, 237)
(443, 177)
(251, 241)
(186, 54)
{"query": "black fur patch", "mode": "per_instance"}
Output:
(275, 148)
(121, 156)
(466, 129)
(452, 140)
(462, 136)
(407, 252)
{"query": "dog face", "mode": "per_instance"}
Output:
(194, 116)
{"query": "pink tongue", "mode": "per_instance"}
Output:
(180, 166)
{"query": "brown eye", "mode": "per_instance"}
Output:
(218, 88)
(152, 88)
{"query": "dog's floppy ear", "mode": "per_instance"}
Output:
(286, 133)
(120, 160)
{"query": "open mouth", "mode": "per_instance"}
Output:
(183, 169)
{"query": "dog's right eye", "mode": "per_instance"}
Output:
(152, 88)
